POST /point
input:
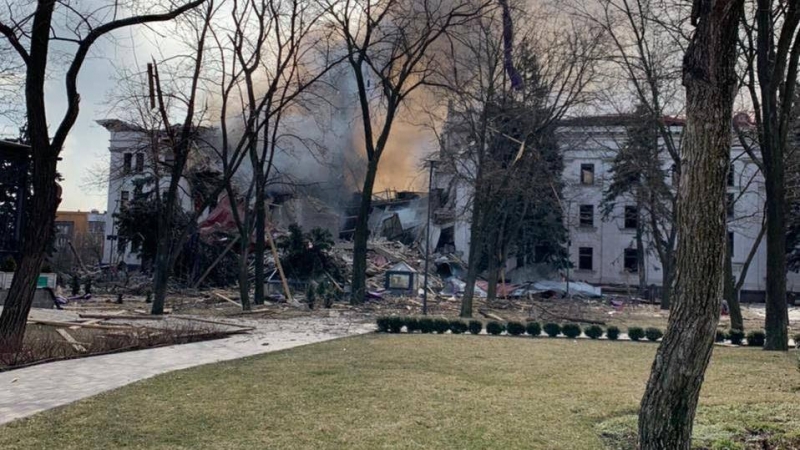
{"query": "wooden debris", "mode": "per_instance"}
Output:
(216, 322)
(119, 316)
(67, 337)
(76, 325)
(227, 299)
(490, 315)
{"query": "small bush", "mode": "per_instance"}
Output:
(383, 324)
(515, 328)
(720, 336)
(495, 328)
(311, 296)
(552, 329)
(396, 324)
(756, 338)
(412, 324)
(635, 333)
(797, 340)
(441, 325)
(571, 330)
(475, 326)
(458, 326)
(612, 333)
(534, 329)
(593, 331)
(653, 334)
(736, 337)
(426, 325)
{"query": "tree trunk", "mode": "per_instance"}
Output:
(244, 276)
(494, 274)
(359, 287)
(161, 275)
(666, 283)
(777, 320)
(260, 245)
(670, 400)
(732, 295)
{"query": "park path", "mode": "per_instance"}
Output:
(24, 392)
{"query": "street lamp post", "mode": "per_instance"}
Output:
(428, 238)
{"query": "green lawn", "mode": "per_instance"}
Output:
(418, 391)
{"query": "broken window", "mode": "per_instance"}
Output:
(631, 217)
(585, 256)
(631, 260)
(587, 174)
(139, 162)
(587, 215)
(400, 281)
(729, 205)
(126, 163)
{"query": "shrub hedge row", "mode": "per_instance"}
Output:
(570, 330)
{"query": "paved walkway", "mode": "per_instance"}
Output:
(24, 392)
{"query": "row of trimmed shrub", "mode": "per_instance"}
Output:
(570, 330)
(755, 338)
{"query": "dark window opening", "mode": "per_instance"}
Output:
(123, 198)
(631, 217)
(585, 256)
(587, 215)
(126, 163)
(729, 205)
(730, 243)
(587, 174)
(631, 260)
(139, 162)
(731, 175)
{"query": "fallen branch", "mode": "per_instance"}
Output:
(227, 299)
(119, 316)
(76, 325)
(489, 315)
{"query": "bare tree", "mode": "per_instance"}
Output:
(709, 75)
(30, 29)
(771, 51)
(390, 48)
(560, 68)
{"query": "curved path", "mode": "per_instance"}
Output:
(24, 392)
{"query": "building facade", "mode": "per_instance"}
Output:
(602, 245)
(85, 231)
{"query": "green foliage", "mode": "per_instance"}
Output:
(475, 326)
(736, 337)
(495, 328)
(612, 333)
(441, 325)
(75, 285)
(396, 324)
(756, 338)
(458, 326)
(305, 255)
(137, 223)
(9, 265)
(593, 331)
(635, 333)
(719, 336)
(534, 329)
(552, 329)
(383, 324)
(571, 330)
(653, 334)
(412, 324)
(426, 325)
(515, 328)
(326, 293)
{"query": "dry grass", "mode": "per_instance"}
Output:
(409, 391)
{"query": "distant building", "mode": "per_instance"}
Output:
(86, 231)
(602, 249)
